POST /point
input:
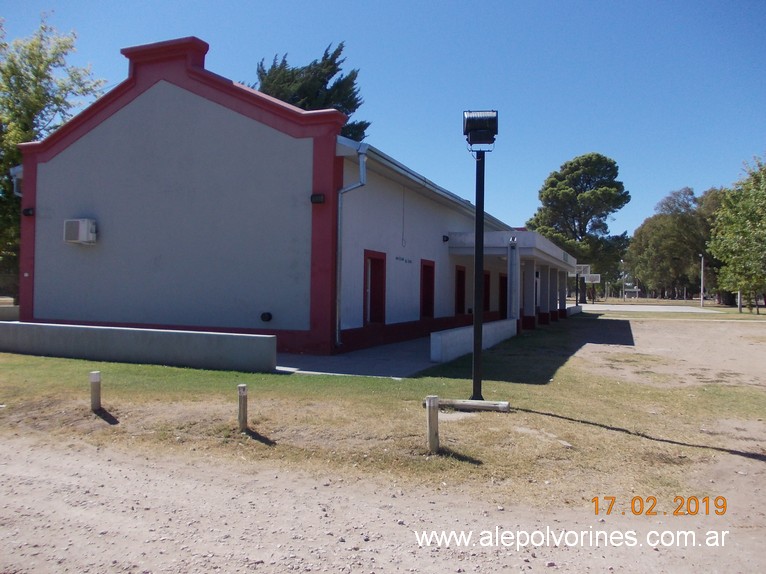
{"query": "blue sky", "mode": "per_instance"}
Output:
(673, 91)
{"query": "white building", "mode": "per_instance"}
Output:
(183, 200)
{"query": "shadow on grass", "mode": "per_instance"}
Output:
(534, 356)
(258, 437)
(745, 454)
(447, 452)
(106, 416)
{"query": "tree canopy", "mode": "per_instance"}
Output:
(576, 203)
(739, 234)
(664, 255)
(38, 93)
(317, 86)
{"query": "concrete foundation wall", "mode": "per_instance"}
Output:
(574, 310)
(217, 351)
(453, 343)
(9, 312)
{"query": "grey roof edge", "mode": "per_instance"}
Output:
(349, 148)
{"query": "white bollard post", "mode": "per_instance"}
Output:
(432, 423)
(242, 408)
(95, 391)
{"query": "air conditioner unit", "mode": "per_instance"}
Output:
(80, 231)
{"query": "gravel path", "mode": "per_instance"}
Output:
(83, 509)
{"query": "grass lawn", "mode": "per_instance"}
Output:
(574, 432)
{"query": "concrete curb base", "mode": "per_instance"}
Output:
(198, 350)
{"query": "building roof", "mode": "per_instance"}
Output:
(388, 166)
(531, 245)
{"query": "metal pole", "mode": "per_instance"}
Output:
(702, 280)
(95, 391)
(242, 414)
(622, 268)
(478, 278)
(432, 423)
(577, 288)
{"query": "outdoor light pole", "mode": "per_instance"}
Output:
(702, 280)
(622, 269)
(478, 279)
(480, 128)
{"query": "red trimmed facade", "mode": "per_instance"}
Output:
(390, 289)
(181, 63)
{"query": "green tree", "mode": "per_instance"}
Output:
(610, 252)
(665, 250)
(576, 203)
(739, 234)
(656, 260)
(316, 86)
(38, 93)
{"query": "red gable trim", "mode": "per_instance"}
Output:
(181, 62)
(191, 49)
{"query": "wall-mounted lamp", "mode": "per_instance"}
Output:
(28, 211)
(317, 198)
(445, 238)
(266, 317)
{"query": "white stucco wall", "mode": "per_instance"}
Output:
(198, 209)
(390, 217)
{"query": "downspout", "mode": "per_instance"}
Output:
(361, 151)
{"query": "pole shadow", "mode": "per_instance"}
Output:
(258, 437)
(106, 416)
(761, 457)
(536, 355)
(447, 452)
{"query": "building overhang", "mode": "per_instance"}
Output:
(530, 245)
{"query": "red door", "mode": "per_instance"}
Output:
(503, 296)
(427, 288)
(459, 290)
(374, 287)
(487, 289)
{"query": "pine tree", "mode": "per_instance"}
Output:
(316, 86)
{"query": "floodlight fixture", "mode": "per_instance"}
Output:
(480, 128)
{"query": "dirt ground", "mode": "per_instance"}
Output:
(70, 506)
